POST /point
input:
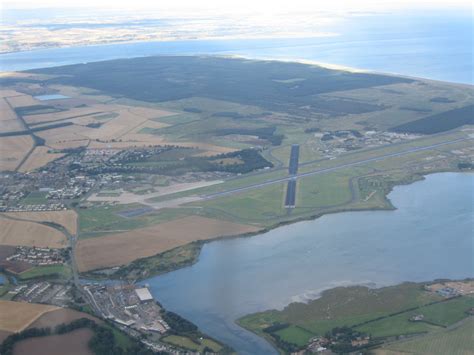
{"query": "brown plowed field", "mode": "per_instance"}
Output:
(39, 158)
(68, 218)
(61, 315)
(7, 112)
(13, 150)
(16, 316)
(23, 100)
(30, 234)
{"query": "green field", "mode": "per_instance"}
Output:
(35, 198)
(456, 341)
(59, 271)
(188, 344)
(100, 220)
(105, 217)
(321, 191)
(121, 339)
(259, 205)
(383, 312)
(395, 326)
(295, 335)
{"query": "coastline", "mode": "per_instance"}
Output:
(211, 53)
(242, 321)
(390, 206)
(340, 67)
(122, 271)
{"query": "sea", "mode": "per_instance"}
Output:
(433, 45)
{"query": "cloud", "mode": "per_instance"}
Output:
(277, 6)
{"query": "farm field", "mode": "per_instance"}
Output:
(85, 120)
(13, 150)
(435, 316)
(34, 119)
(11, 126)
(359, 135)
(382, 313)
(58, 316)
(30, 234)
(7, 113)
(22, 100)
(35, 198)
(39, 158)
(9, 92)
(187, 343)
(56, 271)
(341, 306)
(67, 218)
(457, 340)
(122, 248)
(16, 316)
(215, 119)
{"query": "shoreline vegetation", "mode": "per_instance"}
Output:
(378, 316)
(188, 255)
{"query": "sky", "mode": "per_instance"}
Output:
(247, 5)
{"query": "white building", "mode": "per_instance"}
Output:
(144, 294)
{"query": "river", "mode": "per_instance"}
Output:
(429, 236)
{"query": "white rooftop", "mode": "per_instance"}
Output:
(143, 294)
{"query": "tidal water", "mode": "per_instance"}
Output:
(430, 235)
(430, 45)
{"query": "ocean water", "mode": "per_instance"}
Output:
(431, 45)
(429, 236)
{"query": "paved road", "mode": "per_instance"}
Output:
(27, 132)
(72, 239)
(331, 169)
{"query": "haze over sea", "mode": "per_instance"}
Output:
(431, 45)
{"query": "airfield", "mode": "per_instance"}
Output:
(334, 141)
(127, 167)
